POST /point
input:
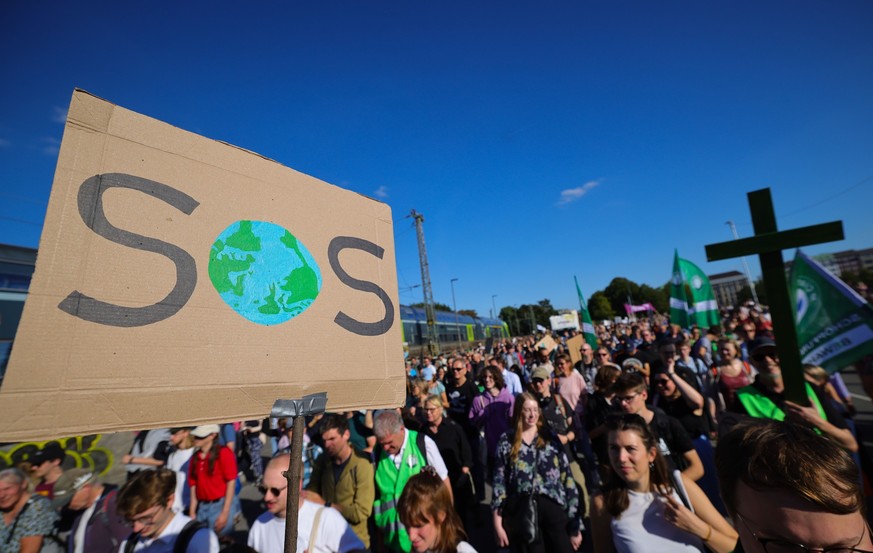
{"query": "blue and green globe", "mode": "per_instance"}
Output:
(263, 272)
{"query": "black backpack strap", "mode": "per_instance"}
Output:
(131, 542)
(422, 447)
(186, 534)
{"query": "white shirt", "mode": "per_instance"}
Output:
(203, 541)
(643, 529)
(334, 533)
(178, 462)
(513, 382)
(79, 537)
(433, 457)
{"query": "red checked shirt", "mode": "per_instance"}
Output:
(212, 486)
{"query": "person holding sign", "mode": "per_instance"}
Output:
(765, 399)
(320, 529)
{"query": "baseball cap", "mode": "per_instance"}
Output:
(205, 430)
(70, 482)
(762, 342)
(540, 372)
(49, 452)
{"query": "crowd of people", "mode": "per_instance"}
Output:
(537, 447)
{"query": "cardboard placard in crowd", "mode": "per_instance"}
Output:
(181, 280)
(548, 342)
(575, 344)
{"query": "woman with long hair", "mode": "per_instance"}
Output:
(642, 509)
(425, 509)
(733, 373)
(531, 462)
(212, 476)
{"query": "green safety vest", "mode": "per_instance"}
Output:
(760, 406)
(390, 482)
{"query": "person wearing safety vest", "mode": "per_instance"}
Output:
(403, 454)
(765, 398)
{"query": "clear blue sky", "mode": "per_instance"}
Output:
(539, 139)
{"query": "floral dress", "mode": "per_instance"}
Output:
(542, 472)
(37, 518)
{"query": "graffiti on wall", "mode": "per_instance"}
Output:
(81, 452)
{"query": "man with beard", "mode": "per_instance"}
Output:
(343, 478)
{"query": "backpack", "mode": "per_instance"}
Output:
(182, 540)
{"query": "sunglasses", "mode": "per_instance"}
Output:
(274, 491)
(662, 381)
(537, 380)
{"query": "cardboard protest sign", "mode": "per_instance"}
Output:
(548, 342)
(574, 344)
(182, 280)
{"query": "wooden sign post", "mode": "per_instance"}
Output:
(768, 244)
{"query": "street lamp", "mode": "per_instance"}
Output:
(745, 264)
(455, 309)
(493, 307)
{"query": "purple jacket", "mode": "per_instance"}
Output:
(492, 414)
(106, 529)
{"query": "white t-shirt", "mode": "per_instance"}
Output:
(203, 541)
(79, 538)
(643, 529)
(433, 457)
(267, 534)
(178, 462)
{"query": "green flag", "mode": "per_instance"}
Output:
(678, 299)
(834, 324)
(702, 305)
(587, 324)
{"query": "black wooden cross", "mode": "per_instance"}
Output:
(768, 244)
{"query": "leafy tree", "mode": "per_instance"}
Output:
(599, 308)
(656, 297)
(745, 293)
(852, 279)
(617, 293)
(468, 312)
(523, 319)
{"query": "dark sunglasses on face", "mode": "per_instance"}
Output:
(537, 380)
(661, 381)
(274, 491)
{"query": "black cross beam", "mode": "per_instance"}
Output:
(768, 244)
